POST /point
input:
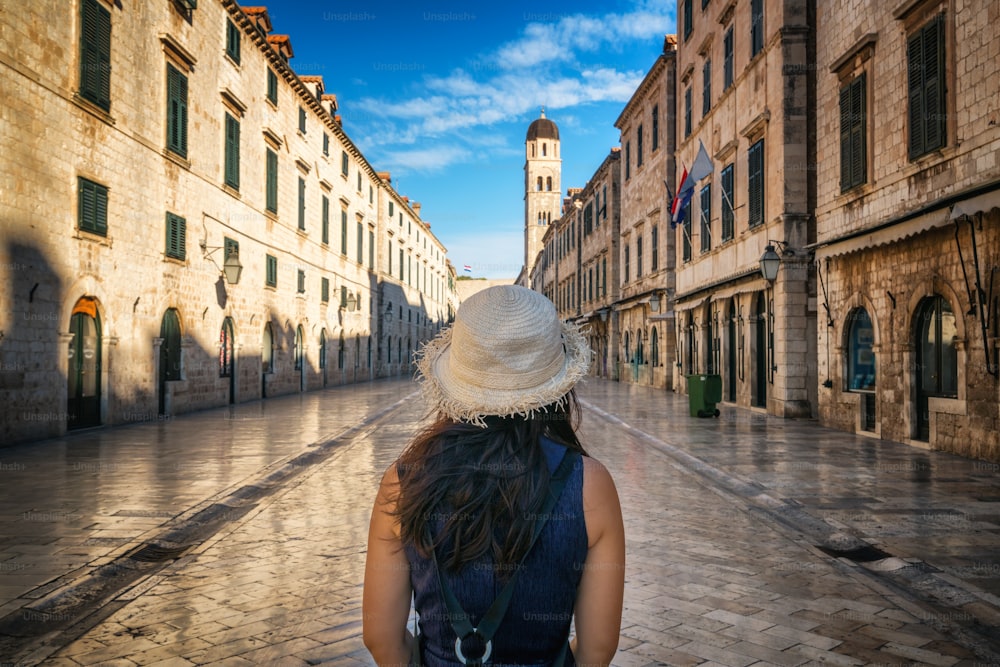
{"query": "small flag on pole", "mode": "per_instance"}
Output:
(701, 168)
(467, 268)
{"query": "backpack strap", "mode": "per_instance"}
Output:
(491, 621)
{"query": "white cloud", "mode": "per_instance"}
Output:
(426, 159)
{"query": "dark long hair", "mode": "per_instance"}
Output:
(486, 484)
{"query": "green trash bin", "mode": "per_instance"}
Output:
(704, 391)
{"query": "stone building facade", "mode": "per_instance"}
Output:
(643, 313)
(744, 79)
(146, 149)
(908, 222)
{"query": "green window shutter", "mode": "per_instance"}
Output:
(302, 281)
(302, 120)
(686, 232)
(343, 233)
(271, 278)
(727, 203)
(326, 144)
(92, 207)
(852, 134)
(755, 182)
(95, 54)
(706, 218)
(233, 41)
(391, 209)
(272, 181)
(272, 86)
(926, 90)
(344, 163)
(326, 220)
(706, 88)
(176, 236)
(325, 290)
(371, 249)
(343, 296)
(361, 244)
(232, 152)
(177, 94)
(302, 203)
(401, 267)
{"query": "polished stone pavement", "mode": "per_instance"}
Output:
(724, 518)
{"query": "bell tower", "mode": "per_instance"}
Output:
(542, 185)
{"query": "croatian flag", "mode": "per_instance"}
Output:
(467, 268)
(701, 168)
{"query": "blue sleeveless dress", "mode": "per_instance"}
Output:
(538, 619)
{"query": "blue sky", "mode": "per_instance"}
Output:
(441, 94)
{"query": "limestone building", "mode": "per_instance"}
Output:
(745, 71)
(643, 315)
(187, 223)
(908, 226)
(542, 185)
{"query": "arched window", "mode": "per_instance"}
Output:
(654, 348)
(937, 355)
(299, 348)
(267, 350)
(84, 377)
(639, 347)
(226, 342)
(628, 350)
(544, 149)
(860, 357)
(548, 183)
(538, 184)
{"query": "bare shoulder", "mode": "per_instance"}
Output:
(601, 507)
(596, 478)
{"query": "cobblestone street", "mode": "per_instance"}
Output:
(733, 530)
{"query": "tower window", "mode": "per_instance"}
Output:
(539, 185)
(544, 149)
(548, 183)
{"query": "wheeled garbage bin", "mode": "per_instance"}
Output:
(704, 391)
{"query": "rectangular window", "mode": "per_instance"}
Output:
(755, 183)
(232, 175)
(626, 264)
(272, 182)
(359, 180)
(326, 144)
(326, 220)
(686, 233)
(628, 160)
(638, 146)
(271, 277)
(302, 282)
(638, 256)
(727, 60)
(926, 70)
(687, 113)
(852, 134)
(371, 249)
(401, 267)
(272, 86)
(343, 298)
(302, 120)
(728, 217)
(688, 18)
(388, 257)
(604, 276)
(233, 41)
(343, 233)
(177, 94)
(231, 248)
(654, 241)
(706, 88)
(392, 209)
(176, 236)
(324, 290)
(344, 163)
(706, 218)
(656, 127)
(756, 27)
(361, 243)
(95, 54)
(92, 206)
(302, 203)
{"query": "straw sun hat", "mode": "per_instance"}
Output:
(506, 354)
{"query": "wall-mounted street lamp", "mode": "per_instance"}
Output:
(654, 302)
(231, 268)
(771, 260)
(603, 312)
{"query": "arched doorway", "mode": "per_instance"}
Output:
(731, 354)
(266, 358)
(322, 355)
(759, 349)
(83, 398)
(936, 368)
(170, 355)
(300, 356)
(227, 357)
